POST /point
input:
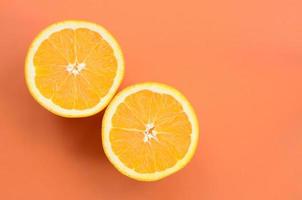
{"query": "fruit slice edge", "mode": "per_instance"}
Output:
(107, 125)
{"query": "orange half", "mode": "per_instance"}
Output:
(73, 68)
(150, 131)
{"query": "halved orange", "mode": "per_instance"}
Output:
(73, 68)
(149, 131)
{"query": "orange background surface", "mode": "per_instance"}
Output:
(238, 62)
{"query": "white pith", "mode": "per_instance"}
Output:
(149, 133)
(75, 68)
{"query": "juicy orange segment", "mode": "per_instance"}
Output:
(149, 131)
(74, 68)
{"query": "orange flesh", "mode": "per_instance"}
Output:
(80, 46)
(170, 125)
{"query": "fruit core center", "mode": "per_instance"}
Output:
(150, 133)
(75, 68)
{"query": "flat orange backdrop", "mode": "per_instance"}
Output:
(238, 62)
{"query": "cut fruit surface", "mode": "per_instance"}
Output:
(149, 131)
(73, 68)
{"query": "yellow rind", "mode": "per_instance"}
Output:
(74, 113)
(156, 175)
